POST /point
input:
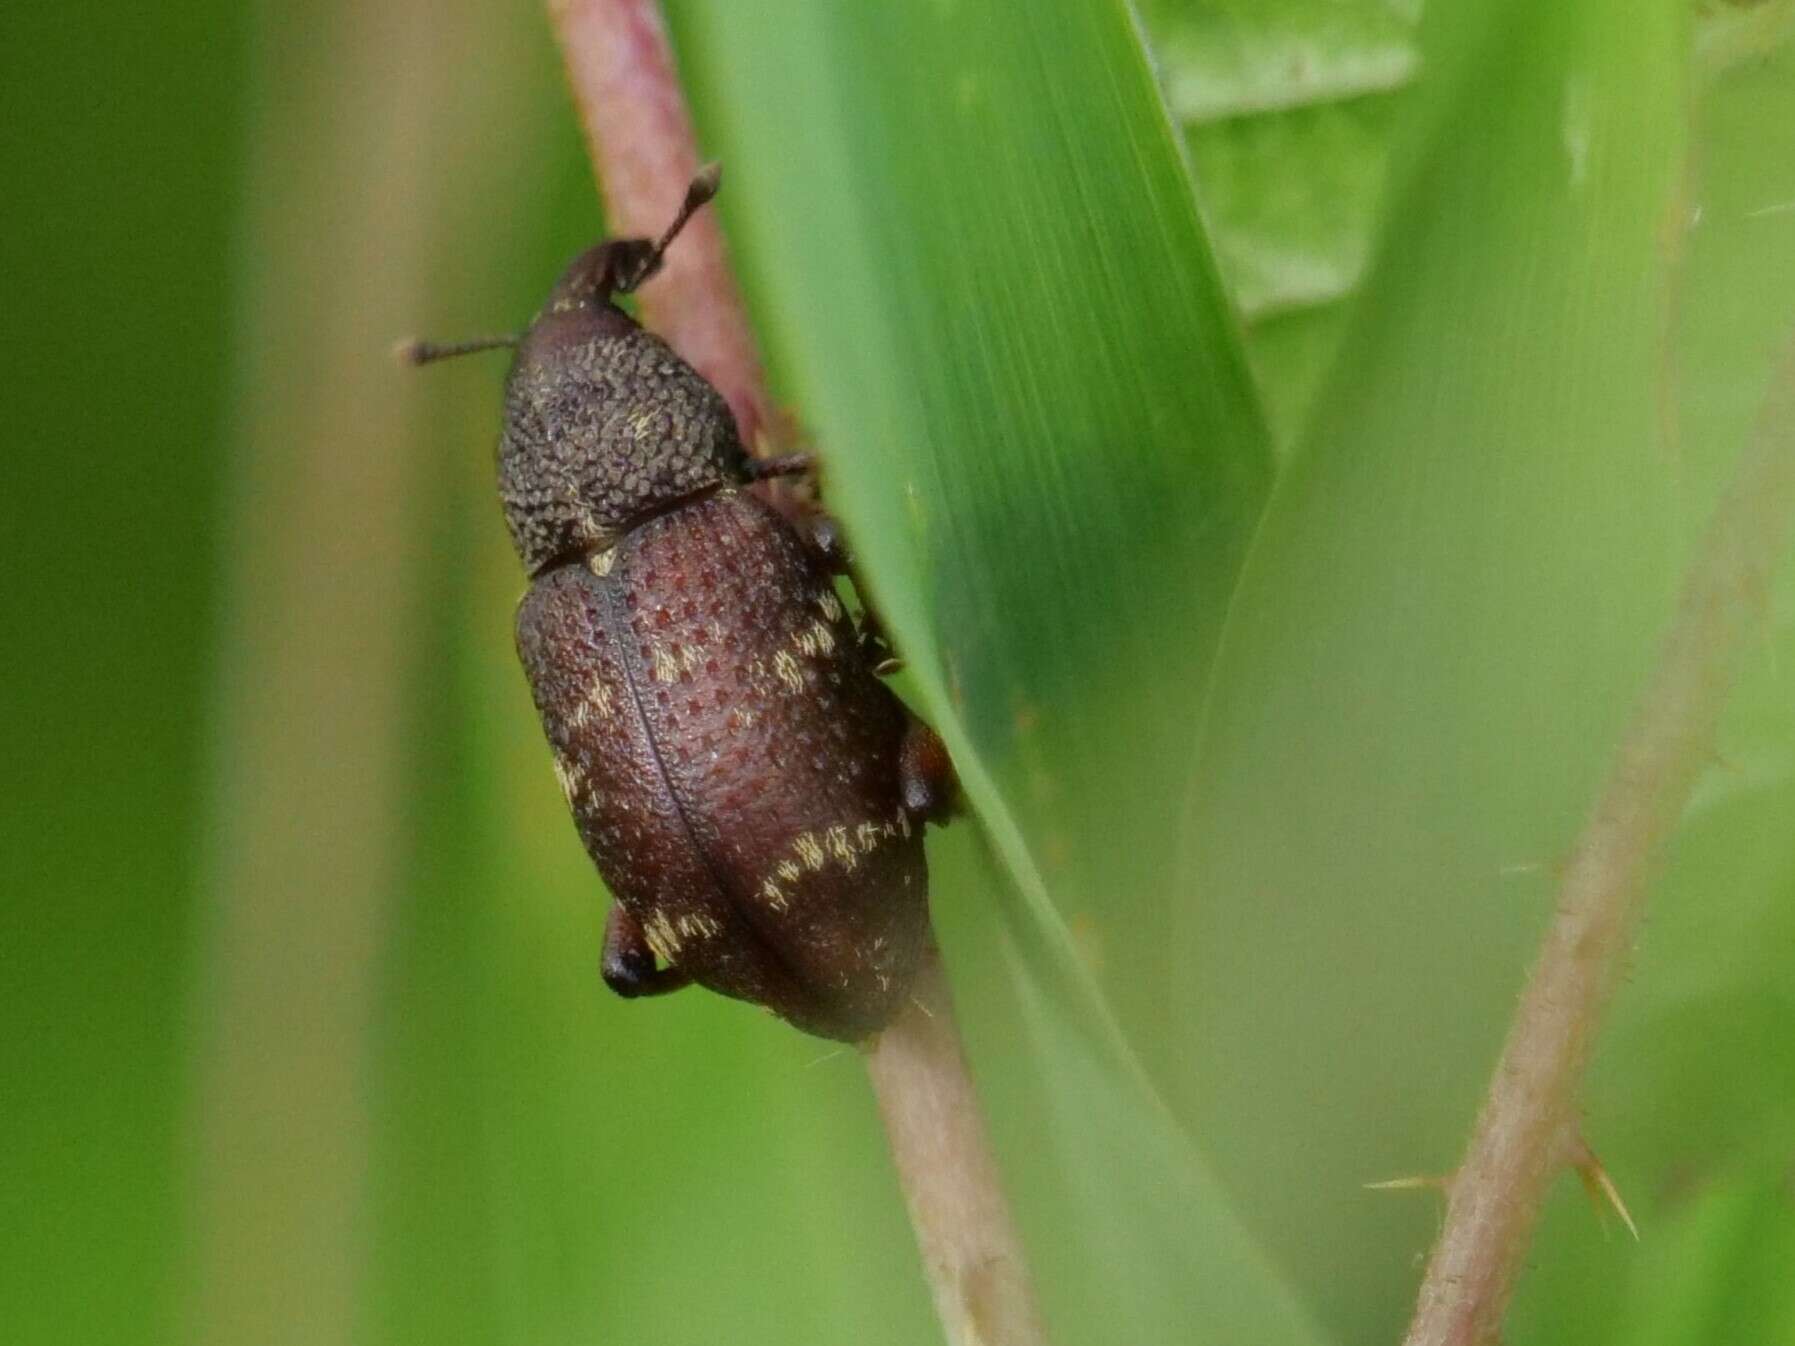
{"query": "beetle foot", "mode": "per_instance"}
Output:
(628, 964)
(931, 789)
(826, 541)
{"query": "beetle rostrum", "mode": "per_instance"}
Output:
(751, 792)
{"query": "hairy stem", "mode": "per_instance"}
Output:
(627, 90)
(640, 135)
(1526, 1129)
(970, 1251)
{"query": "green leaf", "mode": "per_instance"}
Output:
(989, 294)
(1691, 1097)
(1450, 605)
(1290, 110)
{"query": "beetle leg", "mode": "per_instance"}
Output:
(826, 541)
(786, 465)
(926, 776)
(830, 548)
(628, 962)
(874, 647)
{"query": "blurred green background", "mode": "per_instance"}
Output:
(1279, 555)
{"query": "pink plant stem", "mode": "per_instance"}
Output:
(627, 90)
(970, 1252)
(1526, 1130)
(640, 135)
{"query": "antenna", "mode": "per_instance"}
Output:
(699, 191)
(423, 352)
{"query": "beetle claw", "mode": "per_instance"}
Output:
(628, 964)
(930, 788)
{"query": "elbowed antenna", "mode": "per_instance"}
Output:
(423, 352)
(616, 266)
(699, 192)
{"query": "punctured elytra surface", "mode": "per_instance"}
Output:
(732, 764)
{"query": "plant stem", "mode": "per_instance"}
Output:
(1527, 1129)
(641, 140)
(970, 1252)
(639, 133)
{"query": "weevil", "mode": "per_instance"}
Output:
(750, 790)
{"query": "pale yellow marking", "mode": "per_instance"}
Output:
(809, 851)
(600, 562)
(689, 659)
(587, 529)
(742, 719)
(597, 701)
(599, 698)
(787, 669)
(830, 605)
(658, 931)
(775, 895)
(570, 776)
(696, 925)
(838, 845)
(665, 669)
(837, 837)
(814, 639)
(757, 676)
(640, 423)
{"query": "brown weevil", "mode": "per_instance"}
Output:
(751, 792)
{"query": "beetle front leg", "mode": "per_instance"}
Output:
(628, 963)
(786, 465)
(926, 777)
(875, 649)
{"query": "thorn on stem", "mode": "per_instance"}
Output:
(1413, 1182)
(1599, 1185)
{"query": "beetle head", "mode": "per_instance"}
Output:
(604, 424)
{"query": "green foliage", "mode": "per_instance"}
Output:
(1279, 557)
(1289, 110)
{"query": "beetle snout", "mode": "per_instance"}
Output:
(615, 266)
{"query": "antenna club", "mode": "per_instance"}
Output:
(705, 184)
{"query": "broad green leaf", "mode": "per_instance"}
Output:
(1693, 1087)
(989, 296)
(117, 323)
(1290, 110)
(1232, 58)
(1449, 607)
